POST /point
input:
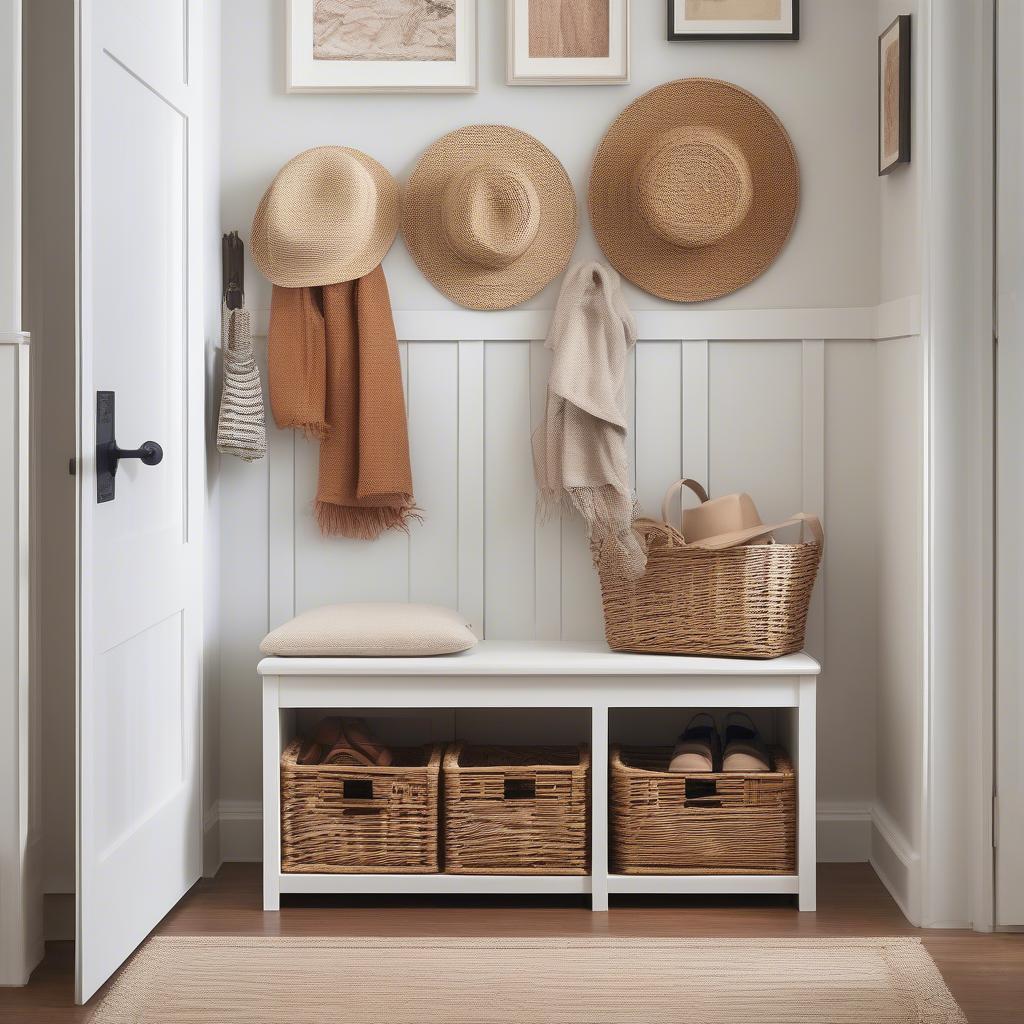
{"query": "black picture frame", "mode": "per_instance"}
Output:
(902, 25)
(676, 37)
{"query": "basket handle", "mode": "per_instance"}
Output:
(664, 531)
(674, 493)
(738, 537)
(520, 789)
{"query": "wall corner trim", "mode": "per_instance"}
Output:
(897, 863)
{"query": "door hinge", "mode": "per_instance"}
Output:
(995, 821)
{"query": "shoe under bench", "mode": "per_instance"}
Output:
(537, 676)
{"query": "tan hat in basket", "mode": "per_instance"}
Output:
(329, 216)
(726, 522)
(490, 216)
(694, 190)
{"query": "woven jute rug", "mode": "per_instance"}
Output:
(557, 981)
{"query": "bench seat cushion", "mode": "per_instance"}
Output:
(372, 631)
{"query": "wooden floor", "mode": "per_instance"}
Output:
(984, 972)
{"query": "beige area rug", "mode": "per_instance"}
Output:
(557, 981)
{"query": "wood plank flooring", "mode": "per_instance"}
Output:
(984, 972)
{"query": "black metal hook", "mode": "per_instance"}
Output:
(233, 270)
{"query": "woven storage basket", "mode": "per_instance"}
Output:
(516, 810)
(706, 823)
(338, 818)
(748, 601)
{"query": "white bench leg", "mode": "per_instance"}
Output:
(271, 794)
(599, 808)
(807, 796)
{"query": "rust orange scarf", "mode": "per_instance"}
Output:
(335, 375)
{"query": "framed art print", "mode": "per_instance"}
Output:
(733, 19)
(568, 42)
(894, 95)
(374, 46)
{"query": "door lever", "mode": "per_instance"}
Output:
(150, 454)
(108, 452)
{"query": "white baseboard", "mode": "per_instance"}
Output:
(844, 833)
(241, 830)
(896, 863)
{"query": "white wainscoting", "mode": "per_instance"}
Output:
(789, 419)
(737, 415)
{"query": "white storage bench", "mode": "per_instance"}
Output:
(537, 676)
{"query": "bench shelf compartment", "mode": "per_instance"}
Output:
(534, 675)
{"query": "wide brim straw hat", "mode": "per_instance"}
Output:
(330, 215)
(694, 190)
(490, 216)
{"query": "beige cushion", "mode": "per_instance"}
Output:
(371, 631)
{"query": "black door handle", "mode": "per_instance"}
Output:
(150, 454)
(109, 454)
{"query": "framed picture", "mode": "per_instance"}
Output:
(894, 95)
(733, 19)
(392, 46)
(568, 42)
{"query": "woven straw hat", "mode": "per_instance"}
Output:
(694, 190)
(490, 216)
(330, 215)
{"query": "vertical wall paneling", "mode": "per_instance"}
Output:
(281, 491)
(509, 493)
(736, 415)
(813, 409)
(433, 390)
(547, 554)
(658, 421)
(695, 410)
(755, 425)
(471, 483)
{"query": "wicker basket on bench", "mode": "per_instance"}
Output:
(516, 810)
(338, 818)
(707, 823)
(729, 600)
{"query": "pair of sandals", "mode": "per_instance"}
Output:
(339, 740)
(700, 748)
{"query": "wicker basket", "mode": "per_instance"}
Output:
(748, 601)
(338, 818)
(707, 823)
(516, 810)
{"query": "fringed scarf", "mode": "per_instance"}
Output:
(579, 451)
(335, 375)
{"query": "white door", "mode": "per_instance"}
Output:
(139, 840)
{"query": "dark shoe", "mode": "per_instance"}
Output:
(699, 748)
(745, 751)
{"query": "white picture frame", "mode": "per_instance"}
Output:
(524, 69)
(307, 74)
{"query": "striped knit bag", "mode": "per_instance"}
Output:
(241, 429)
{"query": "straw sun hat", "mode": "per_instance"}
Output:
(490, 216)
(330, 215)
(694, 190)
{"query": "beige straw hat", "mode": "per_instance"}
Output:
(330, 215)
(490, 216)
(694, 190)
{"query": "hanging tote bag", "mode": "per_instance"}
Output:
(241, 427)
(735, 595)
